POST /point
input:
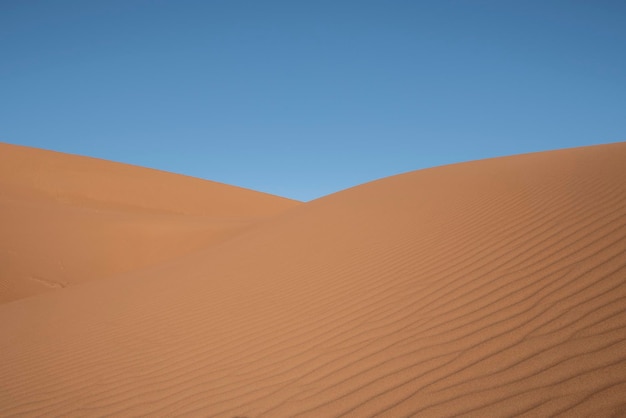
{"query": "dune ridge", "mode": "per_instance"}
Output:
(489, 288)
(67, 219)
(88, 181)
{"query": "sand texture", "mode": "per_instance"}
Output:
(66, 219)
(489, 288)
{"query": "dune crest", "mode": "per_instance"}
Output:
(67, 219)
(489, 288)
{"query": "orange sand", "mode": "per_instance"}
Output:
(67, 219)
(490, 288)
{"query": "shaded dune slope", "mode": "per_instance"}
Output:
(66, 219)
(488, 288)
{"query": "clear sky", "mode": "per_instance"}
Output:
(305, 98)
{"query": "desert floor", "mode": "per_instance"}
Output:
(488, 288)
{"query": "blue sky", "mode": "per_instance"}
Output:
(305, 98)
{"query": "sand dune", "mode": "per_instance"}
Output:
(490, 288)
(67, 219)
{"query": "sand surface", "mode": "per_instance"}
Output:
(66, 219)
(489, 288)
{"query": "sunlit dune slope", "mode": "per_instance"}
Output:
(66, 219)
(490, 288)
(91, 182)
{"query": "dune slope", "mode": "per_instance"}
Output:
(490, 288)
(66, 219)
